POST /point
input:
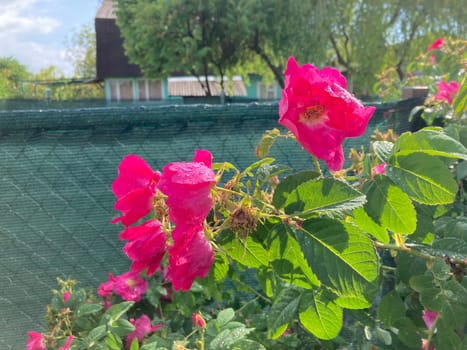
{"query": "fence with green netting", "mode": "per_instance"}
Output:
(56, 169)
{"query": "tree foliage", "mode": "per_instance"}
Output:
(82, 52)
(12, 73)
(201, 37)
(362, 38)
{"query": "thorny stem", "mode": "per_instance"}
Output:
(406, 249)
(410, 250)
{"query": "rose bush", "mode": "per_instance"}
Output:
(373, 255)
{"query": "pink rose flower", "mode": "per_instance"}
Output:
(429, 318)
(66, 296)
(190, 256)
(106, 289)
(188, 189)
(67, 345)
(142, 328)
(437, 44)
(380, 169)
(447, 91)
(320, 112)
(145, 246)
(35, 341)
(135, 188)
(130, 286)
(198, 320)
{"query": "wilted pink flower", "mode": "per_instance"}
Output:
(429, 318)
(35, 341)
(190, 256)
(447, 91)
(145, 246)
(198, 320)
(130, 286)
(142, 328)
(432, 59)
(188, 189)
(67, 345)
(66, 296)
(135, 188)
(106, 289)
(320, 112)
(437, 44)
(380, 169)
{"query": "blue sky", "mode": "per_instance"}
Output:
(36, 32)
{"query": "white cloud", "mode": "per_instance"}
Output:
(19, 16)
(37, 56)
(20, 22)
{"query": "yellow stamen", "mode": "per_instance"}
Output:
(313, 115)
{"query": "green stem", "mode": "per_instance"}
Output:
(431, 331)
(317, 166)
(405, 249)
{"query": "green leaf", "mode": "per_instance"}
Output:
(408, 333)
(451, 247)
(320, 315)
(430, 142)
(408, 266)
(389, 206)
(446, 338)
(249, 169)
(367, 224)
(249, 252)
(114, 342)
(322, 195)
(247, 344)
(134, 344)
(97, 333)
(460, 100)
(225, 339)
(267, 171)
(343, 257)
(266, 142)
(390, 309)
(220, 267)
(225, 316)
(290, 183)
(150, 346)
(440, 269)
(122, 327)
(423, 178)
(283, 311)
(383, 150)
(117, 310)
(88, 309)
(288, 260)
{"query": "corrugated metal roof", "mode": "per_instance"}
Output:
(190, 86)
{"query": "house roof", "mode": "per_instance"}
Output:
(190, 86)
(107, 10)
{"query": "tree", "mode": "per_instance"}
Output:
(82, 52)
(278, 29)
(12, 74)
(201, 37)
(361, 38)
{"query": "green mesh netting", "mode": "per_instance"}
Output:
(56, 168)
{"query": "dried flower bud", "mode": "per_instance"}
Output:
(243, 221)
